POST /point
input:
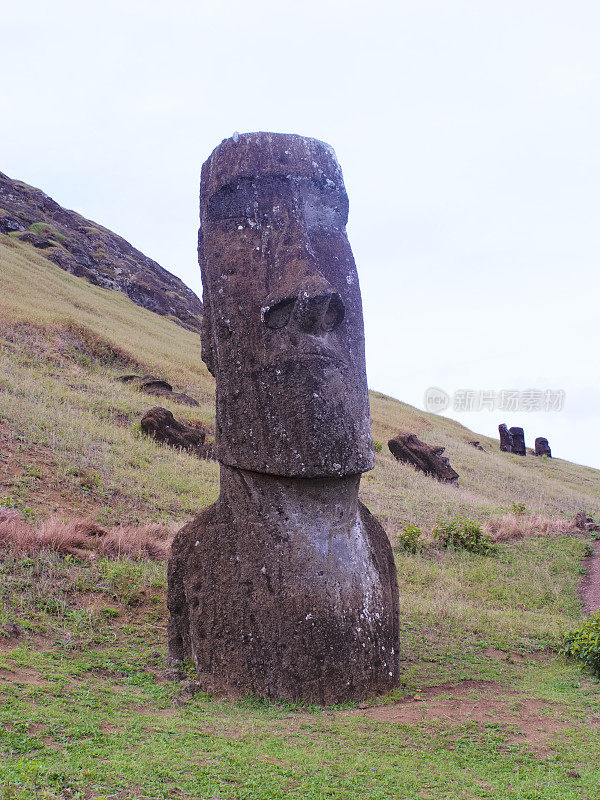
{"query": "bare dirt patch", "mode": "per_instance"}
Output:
(590, 586)
(487, 704)
(32, 473)
(28, 677)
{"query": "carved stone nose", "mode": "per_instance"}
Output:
(314, 307)
(318, 312)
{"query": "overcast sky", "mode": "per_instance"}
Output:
(469, 137)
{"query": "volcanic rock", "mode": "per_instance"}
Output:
(410, 449)
(542, 448)
(90, 251)
(158, 387)
(9, 224)
(477, 446)
(162, 426)
(286, 587)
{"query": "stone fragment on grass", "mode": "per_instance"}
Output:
(407, 447)
(162, 426)
(150, 384)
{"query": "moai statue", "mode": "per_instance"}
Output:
(286, 587)
(427, 458)
(518, 441)
(542, 448)
(506, 442)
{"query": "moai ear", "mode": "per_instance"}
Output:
(206, 335)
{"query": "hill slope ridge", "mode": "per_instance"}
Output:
(88, 250)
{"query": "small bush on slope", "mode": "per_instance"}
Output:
(584, 643)
(463, 534)
(410, 539)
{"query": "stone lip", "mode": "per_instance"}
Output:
(88, 250)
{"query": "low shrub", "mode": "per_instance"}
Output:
(584, 643)
(463, 534)
(377, 446)
(518, 508)
(410, 539)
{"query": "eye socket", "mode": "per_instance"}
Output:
(278, 315)
(334, 314)
(233, 201)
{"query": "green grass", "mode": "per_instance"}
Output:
(86, 709)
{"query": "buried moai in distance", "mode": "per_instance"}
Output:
(505, 438)
(286, 587)
(512, 440)
(518, 441)
(542, 447)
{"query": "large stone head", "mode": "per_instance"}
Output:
(283, 329)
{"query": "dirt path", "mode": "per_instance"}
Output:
(527, 720)
(590, 586)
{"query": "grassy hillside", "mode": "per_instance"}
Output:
(66, 341)
(486, 708)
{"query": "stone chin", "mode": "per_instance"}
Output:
(309, 418)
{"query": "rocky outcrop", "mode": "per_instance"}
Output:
(477, 446)
(158, 388)
(542, 448)
(162, 426)
(410, 449)
(90, 251)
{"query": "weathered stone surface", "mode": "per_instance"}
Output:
(505, 439)
(272, 238)
(37, 241)
(477, 445)
(162, 426)
(9, 224)
(158, 387)
(518, 441)
(286, 586)
(90, 251)
(428, 459)
(542, 448)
